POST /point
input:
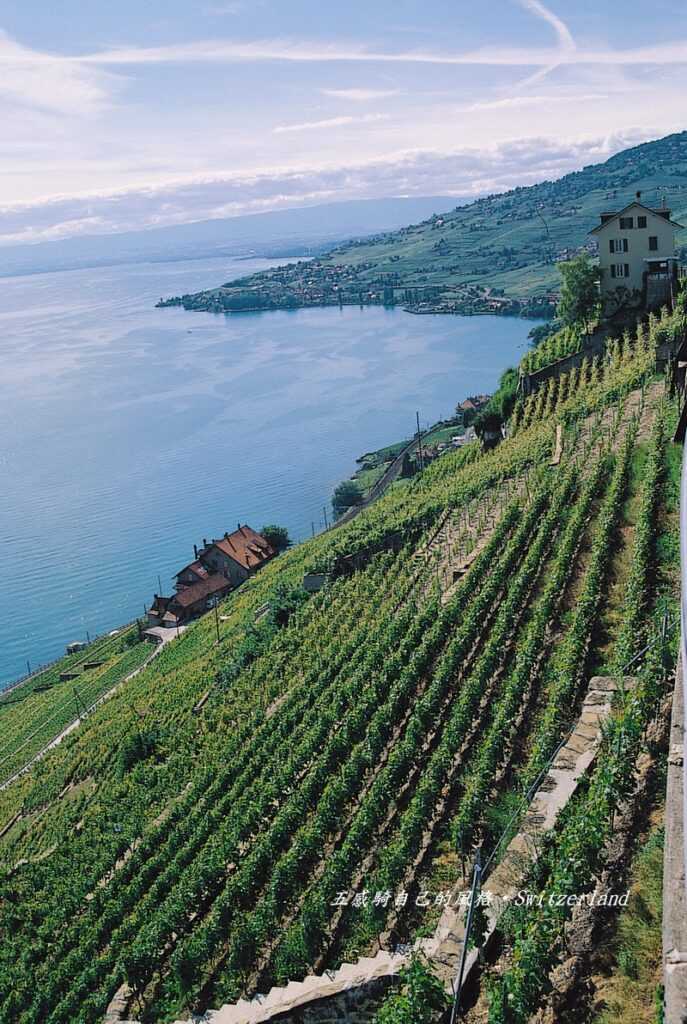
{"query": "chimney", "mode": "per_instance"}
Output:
(205, 543)
(195, 551)
(638, 195)
(239, 527)
(226, 535)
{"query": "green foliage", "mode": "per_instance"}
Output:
(139, 745)
(346, 494)
(500, 405)
(277, 536)
(579, 300)
(419, 999)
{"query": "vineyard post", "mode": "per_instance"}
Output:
(458, 984)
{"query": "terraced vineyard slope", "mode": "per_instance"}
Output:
(246, 813)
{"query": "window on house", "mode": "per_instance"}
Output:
(620, 270)
(626, 222)
(653, 243)
(641, 222)
(619, 245)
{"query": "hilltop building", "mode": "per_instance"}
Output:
(217, 568)
(637, 258)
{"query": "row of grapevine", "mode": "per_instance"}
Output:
(548, 557)
(389, 696)
(568, 661)
(565, 342)
(205, 804)
(572, 861)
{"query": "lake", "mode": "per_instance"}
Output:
(127, 433)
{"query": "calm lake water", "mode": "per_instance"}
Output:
(127, 433)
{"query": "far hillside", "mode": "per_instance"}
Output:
(497, 254)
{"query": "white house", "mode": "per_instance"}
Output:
(637, 256)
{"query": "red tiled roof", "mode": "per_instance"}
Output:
(245, 546)
(196, 567)
(201, 589)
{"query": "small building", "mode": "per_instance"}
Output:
(637, 258)
(220, 566)
(237, 555)
(75, 646)
(188, 602)
(195, 572)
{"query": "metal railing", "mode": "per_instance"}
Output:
(683, 614)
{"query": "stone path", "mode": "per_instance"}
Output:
(572, 761)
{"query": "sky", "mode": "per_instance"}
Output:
(142, 113)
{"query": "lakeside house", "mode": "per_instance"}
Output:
(219, 567)
(188, 602)
(637, 257)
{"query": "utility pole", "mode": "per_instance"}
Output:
(78, 704)
(312, 527)
(326, 521)
(419, 442)
(28, 666)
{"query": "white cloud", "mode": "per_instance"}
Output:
(416, 172)
(329, 122)
(562, 31)
(30, 78)
(360, 95)
(303, 52)
(511, 102)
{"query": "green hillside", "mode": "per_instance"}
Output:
(496, 254)
(187, 844)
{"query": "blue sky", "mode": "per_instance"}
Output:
(131, 114)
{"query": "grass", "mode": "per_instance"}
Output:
(442, 434)
(631, 993)
(367, 478)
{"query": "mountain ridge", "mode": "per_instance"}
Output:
(286, 232)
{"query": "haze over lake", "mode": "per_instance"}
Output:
(128, 433)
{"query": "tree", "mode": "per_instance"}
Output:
(579, 291)
(346, 495)
(277, 536)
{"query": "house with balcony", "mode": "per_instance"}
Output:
(637, 257)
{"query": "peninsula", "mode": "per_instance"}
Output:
(495, 255)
